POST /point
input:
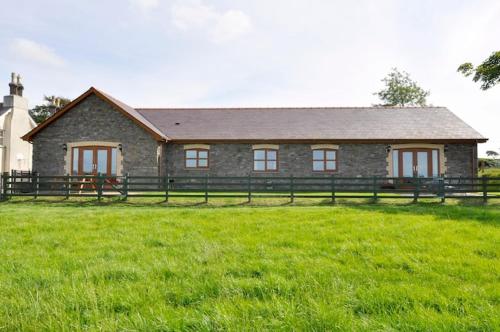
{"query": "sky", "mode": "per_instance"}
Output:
(201, 53)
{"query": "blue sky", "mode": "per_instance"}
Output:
(253, 53)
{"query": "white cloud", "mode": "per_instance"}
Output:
(230, 25)
(34, 52)
(145, 5)
(220, 26)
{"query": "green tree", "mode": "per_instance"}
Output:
(52, 104)
(488, 72)
(401, 90)
(492, 154)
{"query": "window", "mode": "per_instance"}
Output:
(324, 160)
(265, 160)
(76, 155)
(196, 158)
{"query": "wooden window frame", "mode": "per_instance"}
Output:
(265, 160)
(197, 159)
(325, 161)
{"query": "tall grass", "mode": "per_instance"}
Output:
(146, 267)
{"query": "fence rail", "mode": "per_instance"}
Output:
(249, 187)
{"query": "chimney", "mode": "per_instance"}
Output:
(15, 85)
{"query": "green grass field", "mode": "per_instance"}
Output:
(147, 267)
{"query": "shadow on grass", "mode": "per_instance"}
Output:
(464, 209)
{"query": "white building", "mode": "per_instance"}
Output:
(15, 121)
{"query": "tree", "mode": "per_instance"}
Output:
(52, 104)
(488, 72)
(401, 90)
(492, 154)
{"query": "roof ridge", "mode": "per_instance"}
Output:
(292, 107)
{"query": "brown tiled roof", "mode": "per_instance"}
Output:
(363, 123)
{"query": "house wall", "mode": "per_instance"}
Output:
(95, 120)
(16, 121)
(296, 159)
(461, 160)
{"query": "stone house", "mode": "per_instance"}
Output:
(15, 121)
(97, 133)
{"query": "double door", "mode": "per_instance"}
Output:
(418, 163)
(94, 160)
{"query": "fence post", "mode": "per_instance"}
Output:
(442, 189)
(67, 186)
(485, 189)
(249, 187)
(99, 186)
(37, 184)
(125, 187)
(375, 192)
(166, 184)
(416, 190)
(292, 190)
(333, 188)
(5, 176)
(206, 188)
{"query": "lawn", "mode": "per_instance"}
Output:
(147, 267)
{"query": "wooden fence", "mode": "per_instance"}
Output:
(248, 187)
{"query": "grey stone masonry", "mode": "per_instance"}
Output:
(293, 159)
(95, 120)
(353, 160)
(461, 160)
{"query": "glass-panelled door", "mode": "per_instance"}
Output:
(418, 163)
(93, 160)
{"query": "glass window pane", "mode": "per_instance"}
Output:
(102, 161)
(318, 155)
(190, 163)
(408, 164)
(271, 165)
(422, 164)
(331, 165)
(113, 161)
(318, 166)
(330, 155)
(259, 154)
(203, 163)
(88, 160)
(259, 165)
(435, 165)
(395, 163)
(75, 161)
(271, 155)
(190, 153)
(203, 154)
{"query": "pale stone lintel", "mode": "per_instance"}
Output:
(439, 147)
(324, 146)
(265, 146)
(70, 146)
(196, 146)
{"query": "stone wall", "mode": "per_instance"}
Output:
(353, 160)
(461, 160)
(95, 120)
(293, 159)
